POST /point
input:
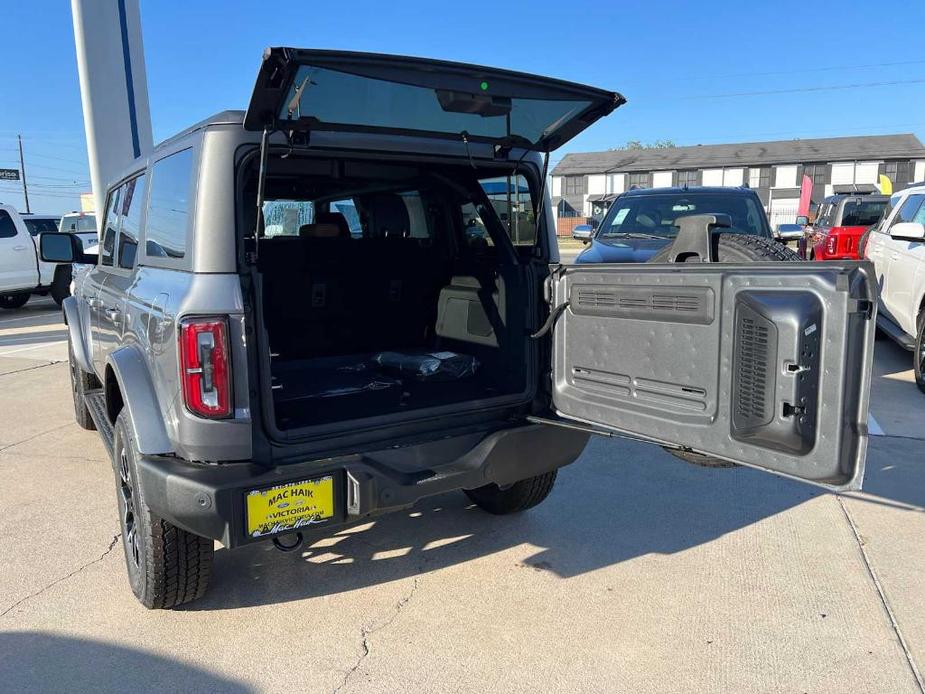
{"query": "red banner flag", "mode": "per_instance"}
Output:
(806, 195)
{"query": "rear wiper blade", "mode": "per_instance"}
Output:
(295, 103)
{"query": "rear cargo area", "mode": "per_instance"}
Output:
(388, 290)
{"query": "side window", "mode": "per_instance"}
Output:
(110, 227)
(510, 196)
(909, 211)
(418, 227)
(168, 206)
(348, 209)
(7, 226)
(133, 199)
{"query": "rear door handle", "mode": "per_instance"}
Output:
(94, 303)
(19, 248)
(113, 314)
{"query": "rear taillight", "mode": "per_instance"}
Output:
(830, 244)
(205, 367)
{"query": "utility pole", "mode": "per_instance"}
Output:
(22, 168)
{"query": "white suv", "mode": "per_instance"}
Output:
(897, 248)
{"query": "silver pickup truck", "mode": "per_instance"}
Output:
(349, 298)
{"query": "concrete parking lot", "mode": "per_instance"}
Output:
(639, 574)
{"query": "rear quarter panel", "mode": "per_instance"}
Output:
(157, 300)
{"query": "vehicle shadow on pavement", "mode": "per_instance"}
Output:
(895, 472)
(39, 661)
(620, 500)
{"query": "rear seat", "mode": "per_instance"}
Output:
(330, 294)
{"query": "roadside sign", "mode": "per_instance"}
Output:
(9, 174)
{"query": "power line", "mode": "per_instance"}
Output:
(865, 85)
(799, 71)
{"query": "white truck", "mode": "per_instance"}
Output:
(896, 245)
(82, 225)
(22, 272)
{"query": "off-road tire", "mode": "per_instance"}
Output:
(732, 248)
(166, 566)
(518, 497)
(918, 355)
(741, 248)
(12, 301)
(81, 382)
(61, 284)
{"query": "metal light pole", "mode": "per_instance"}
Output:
(22, 168)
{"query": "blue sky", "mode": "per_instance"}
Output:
(689, 69)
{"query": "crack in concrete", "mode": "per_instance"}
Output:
(881, 592)
(115, 539)
(367, 631)
(34, 436)
(31, 368)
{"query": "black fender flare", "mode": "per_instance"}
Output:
(140, 400)
(71, 313)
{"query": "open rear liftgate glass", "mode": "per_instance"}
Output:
(765, 364)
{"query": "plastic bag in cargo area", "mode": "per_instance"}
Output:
(428, 366)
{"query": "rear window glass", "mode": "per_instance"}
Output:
(857, 213)
(78, 224)
(653, 216)
(340, 98)
(168, 206)
(41, 226)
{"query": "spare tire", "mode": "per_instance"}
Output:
(741, 248)
(732, 248)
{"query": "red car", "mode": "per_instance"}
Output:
(841, 222)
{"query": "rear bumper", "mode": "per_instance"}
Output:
(208, 500)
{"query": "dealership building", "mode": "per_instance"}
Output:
(585, 184)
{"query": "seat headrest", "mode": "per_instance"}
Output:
(390, 215)
(319, 231)
(336, 218)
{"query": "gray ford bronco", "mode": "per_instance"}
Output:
(349, 298)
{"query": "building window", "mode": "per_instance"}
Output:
(637, 180)
(818, 174)
(899, 172)
(687, 178)
(759, 177)
(573, 185)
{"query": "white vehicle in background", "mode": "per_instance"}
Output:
(83, 224)
(22, 273)
(896, 245)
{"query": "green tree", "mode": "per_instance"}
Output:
(638, 144)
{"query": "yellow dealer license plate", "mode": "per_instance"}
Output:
(290, 506)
